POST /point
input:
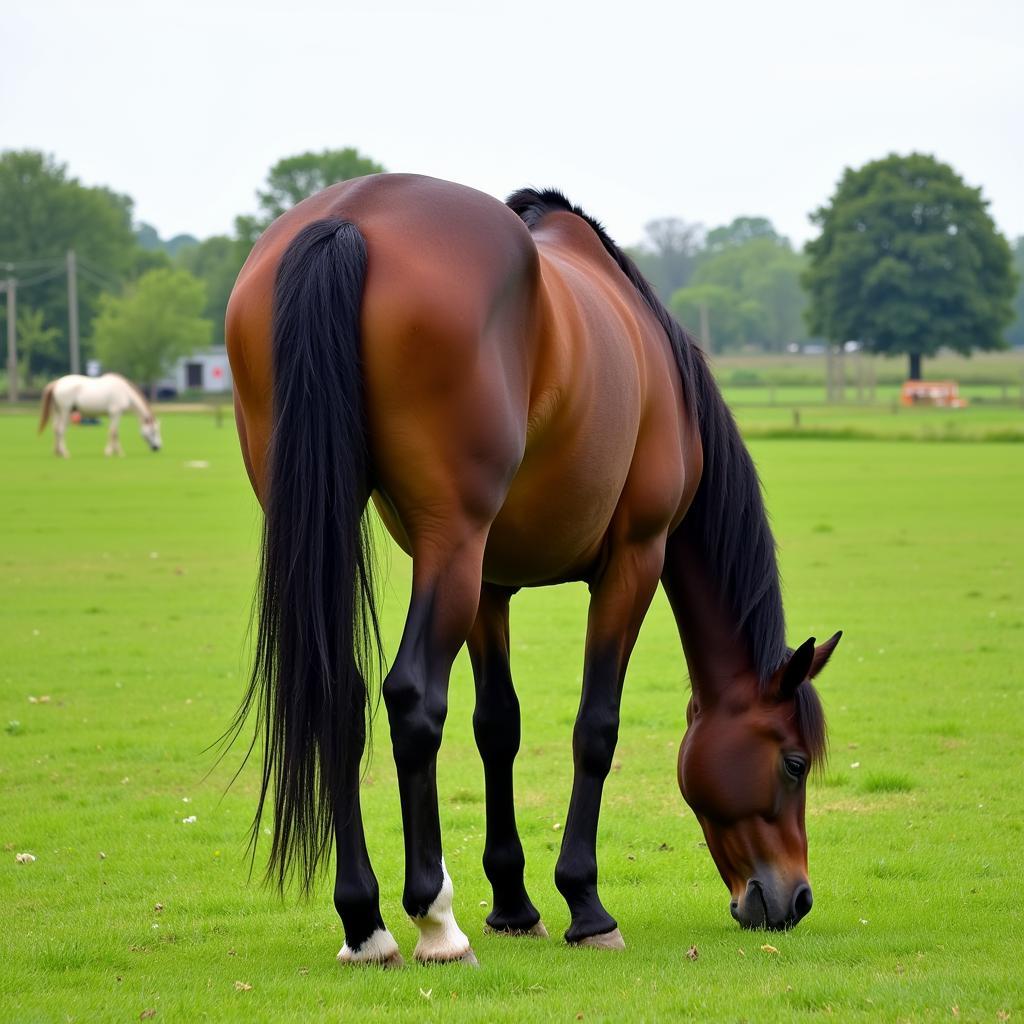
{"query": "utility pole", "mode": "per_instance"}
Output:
(73, 312)
(11, 287)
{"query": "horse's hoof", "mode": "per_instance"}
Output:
(380, 951)
(468, 958)
(606, 940)
(388, 963)
(537, 931)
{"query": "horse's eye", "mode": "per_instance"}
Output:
(795, 766)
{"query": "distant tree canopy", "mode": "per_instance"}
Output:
(747, 278)
(1015, 335)
(295, 178)
(43, 213)
(157, 321)
(216, 262)
(668, 254)
(909, 261)
(149, 238)
(739, 232)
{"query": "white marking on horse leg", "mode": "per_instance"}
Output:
(440, 937)
(379, 948)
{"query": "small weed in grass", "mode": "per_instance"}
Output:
(834, 780)
(949, 730)
(886, 782)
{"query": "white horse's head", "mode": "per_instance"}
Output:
(151, 433)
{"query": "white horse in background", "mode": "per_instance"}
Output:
(110, 394)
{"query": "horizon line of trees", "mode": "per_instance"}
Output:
(908, 260)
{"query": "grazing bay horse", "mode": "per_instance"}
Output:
(110, 395)
(507, 389)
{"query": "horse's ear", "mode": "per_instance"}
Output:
(822, 654)
(797, 669)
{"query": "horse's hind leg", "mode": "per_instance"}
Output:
(356, 893)
(496, 725)
(446, 590)
(619, 600)
(60, 427)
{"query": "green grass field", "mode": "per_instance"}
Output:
(126, 587)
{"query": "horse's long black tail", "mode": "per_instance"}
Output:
(317, 635)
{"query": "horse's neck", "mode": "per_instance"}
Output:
(138, 403)
(717, 654)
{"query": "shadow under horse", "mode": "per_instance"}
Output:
(504, 385)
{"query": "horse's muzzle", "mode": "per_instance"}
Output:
(763, 906)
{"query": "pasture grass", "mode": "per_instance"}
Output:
(126, 587)
(992, 374)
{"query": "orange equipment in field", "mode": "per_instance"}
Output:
(944, 393)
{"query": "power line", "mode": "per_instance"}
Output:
(20, 265)
(97, 278)
(39, 278)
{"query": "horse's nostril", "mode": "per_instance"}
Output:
(802, 903)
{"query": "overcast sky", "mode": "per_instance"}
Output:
(635, 109)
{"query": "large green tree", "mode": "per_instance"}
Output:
(44, 212)
(909, 261)
(294, 178)
(158, 320)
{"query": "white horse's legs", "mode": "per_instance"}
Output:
(114, 439)
(60, 426)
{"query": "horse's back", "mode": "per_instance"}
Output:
(608, 430)
(66, 389)
(93, 395)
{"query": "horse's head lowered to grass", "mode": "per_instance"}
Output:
(743, 767)
(150, 429)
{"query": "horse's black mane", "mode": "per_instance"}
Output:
(727, 519)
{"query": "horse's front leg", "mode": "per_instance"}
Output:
(113, 438)
(445, 593)
(619, 600)
(496, 726)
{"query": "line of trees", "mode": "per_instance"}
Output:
(907, 260)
